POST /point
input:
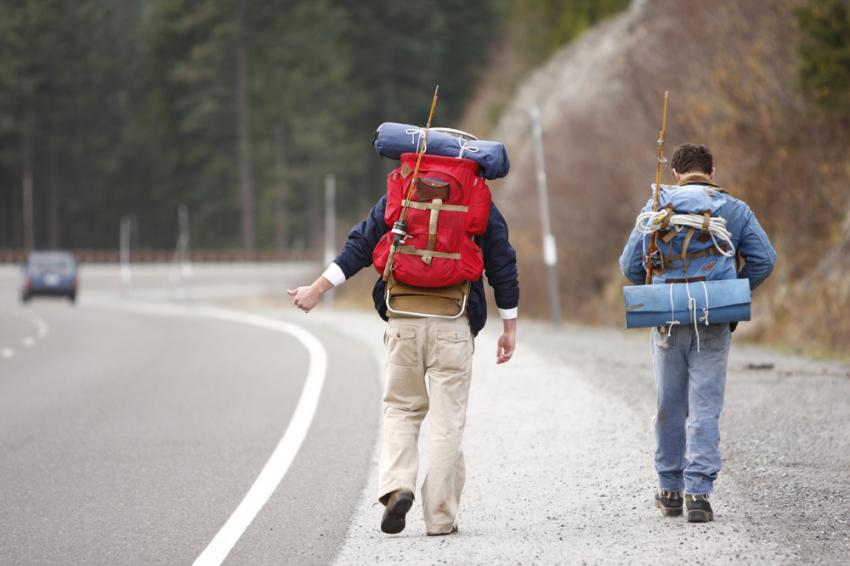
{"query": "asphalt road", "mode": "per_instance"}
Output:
(131, 431)
(130, 436)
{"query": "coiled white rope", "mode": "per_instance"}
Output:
(649, 222)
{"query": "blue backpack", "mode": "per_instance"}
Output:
(689, 253)
(694, 257)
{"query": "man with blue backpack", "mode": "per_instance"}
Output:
(714, 237)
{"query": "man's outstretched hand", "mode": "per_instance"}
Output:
(507, 342)
(305, 298)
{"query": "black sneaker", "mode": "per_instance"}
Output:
(398, 503)
(699, 509)
(670, 502)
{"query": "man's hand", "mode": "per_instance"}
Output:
(305, 298)
(507, 342)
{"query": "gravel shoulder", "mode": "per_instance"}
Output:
(559, 460)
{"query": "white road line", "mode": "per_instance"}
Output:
(28, 341)
(287, 448)
(39, 323)
(7, 353)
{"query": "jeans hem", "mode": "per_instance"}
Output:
(671, 486)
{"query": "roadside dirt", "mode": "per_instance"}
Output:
(559, 456)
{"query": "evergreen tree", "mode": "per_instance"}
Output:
(825, 53)
(114, 107)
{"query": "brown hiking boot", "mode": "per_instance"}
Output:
(397, 504)
(670, 502)
(699, 509)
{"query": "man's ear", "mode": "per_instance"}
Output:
(713, 169)
(675, 174)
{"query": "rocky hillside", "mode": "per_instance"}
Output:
(731, 69)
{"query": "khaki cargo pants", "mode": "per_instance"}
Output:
(429, 363)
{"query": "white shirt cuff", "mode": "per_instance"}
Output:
(334, 274)
(508, 314)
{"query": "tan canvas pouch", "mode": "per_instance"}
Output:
(440, 301)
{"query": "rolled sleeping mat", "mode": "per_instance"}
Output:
(392, 139)
(717, 302)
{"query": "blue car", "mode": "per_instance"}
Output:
(50, 274)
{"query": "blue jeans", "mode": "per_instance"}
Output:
(690, 387)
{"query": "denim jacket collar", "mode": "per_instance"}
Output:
(699, 180)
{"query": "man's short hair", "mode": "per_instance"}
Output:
(691, 158)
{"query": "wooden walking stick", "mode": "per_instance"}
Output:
(400, 227)
(659, 170)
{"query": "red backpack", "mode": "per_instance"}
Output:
(449, 205)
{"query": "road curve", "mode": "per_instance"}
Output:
(130, 437)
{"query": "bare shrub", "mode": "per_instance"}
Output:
(731, 68)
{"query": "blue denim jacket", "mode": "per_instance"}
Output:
(748, 237)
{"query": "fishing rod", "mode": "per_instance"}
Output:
(400, 226)
(659, 171)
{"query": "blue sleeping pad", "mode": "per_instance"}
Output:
(392, 139)
(650, 305)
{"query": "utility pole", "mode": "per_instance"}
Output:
(550, 249)
(182, 271)
(330, 226)
(183, 240)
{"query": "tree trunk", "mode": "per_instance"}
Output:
(54, 205)
(27, 186)
(280, 225)
(243, 118)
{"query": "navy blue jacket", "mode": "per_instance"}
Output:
(499, 263)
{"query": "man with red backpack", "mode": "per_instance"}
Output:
(434, 302)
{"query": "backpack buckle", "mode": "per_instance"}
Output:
(656, 261)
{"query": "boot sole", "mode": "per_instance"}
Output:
(451, 532)
(699, 516)
(394, 522)
(669, 511)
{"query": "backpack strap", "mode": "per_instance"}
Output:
(685, 244)
(693, 255)
(665, 222)
(434, 205)
(432, 229)
(685, 280)
(411, 250)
